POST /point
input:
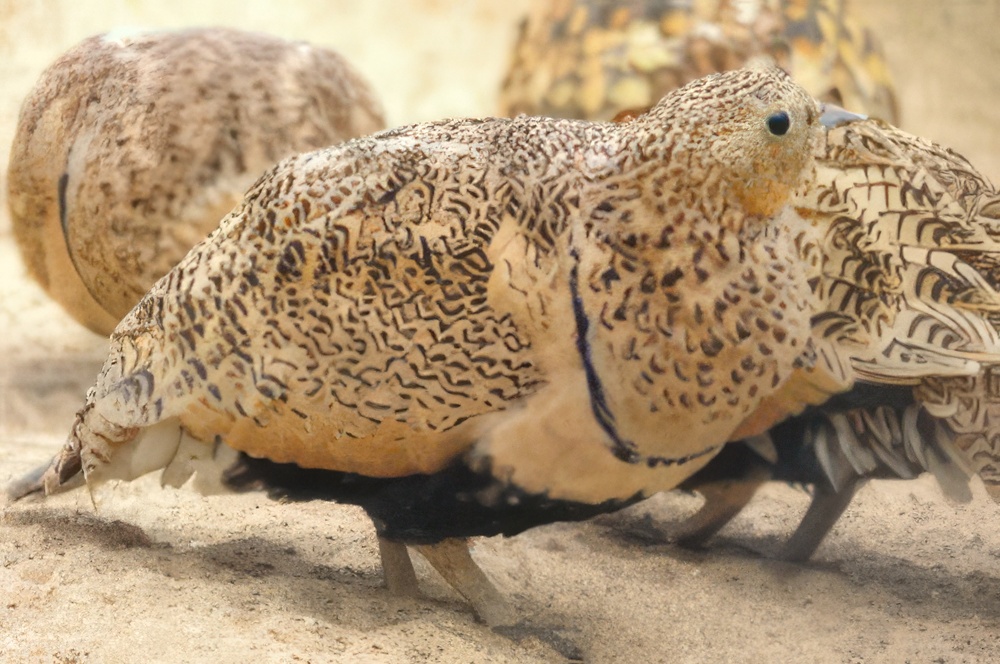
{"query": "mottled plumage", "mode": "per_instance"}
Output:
(594, 58)
(497, 317)
(908, 261)
(132, 147)
(910, 267)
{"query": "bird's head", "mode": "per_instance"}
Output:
(746, 137)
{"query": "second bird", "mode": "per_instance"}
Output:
(131, 147)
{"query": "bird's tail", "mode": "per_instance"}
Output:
(98, 450)
(66, 469)
(890, 442)
(970, 407)
(31, 484)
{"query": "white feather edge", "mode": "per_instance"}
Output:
(168, 447)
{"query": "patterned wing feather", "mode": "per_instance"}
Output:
(895, 278)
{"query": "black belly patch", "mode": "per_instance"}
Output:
(797, 462)
(420, 509)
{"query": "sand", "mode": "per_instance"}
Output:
(166, 575)
(142, 573)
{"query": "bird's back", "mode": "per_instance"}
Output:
(132, 147)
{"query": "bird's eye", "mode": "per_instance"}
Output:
(778, 123)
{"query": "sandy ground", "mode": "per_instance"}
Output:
(165, 575)
(169, 576)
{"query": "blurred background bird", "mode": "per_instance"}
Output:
(132, 146)
(597, 59)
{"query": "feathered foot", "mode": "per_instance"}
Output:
(397, 568)
(452, 560)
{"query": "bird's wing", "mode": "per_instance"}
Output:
(895, 278)
(337, 318)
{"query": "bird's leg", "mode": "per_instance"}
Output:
(397, 569)
(452, 560)
(826, 507)
(723, 501)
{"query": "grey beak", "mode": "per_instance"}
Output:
(833, 116)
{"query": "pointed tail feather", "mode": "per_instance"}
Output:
(98, 450)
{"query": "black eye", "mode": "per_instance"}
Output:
(779, 123)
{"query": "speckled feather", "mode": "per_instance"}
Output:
(132, 147)
(595, 58)
(908, 264)
(503, 315)
(510, 290)
(909, 282)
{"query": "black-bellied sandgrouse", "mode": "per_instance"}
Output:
(493, 322)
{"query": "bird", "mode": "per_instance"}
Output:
(595, 58)
(598, 60)
(910, 274)
(134, 144)
(481, 325)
